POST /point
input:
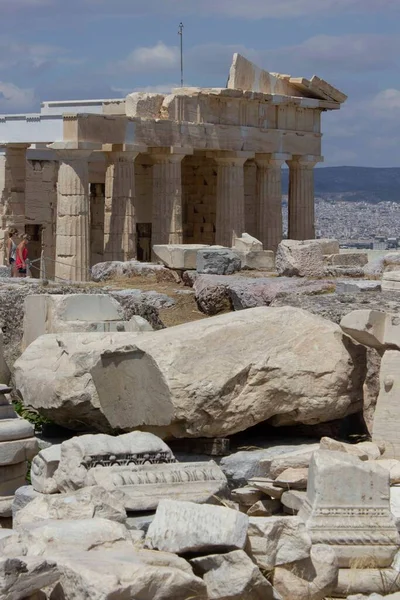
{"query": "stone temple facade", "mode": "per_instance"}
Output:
(101, 180)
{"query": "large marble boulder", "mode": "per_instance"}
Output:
(304, 258)
(209, 378)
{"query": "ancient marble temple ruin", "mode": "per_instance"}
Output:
(100, 180)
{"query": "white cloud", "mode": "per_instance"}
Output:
(155, 58)
(387, 103)
(14, 99)
(14, 53)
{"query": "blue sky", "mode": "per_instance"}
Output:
(74, 49)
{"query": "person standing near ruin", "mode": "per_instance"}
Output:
(12, 251)
(22, 256)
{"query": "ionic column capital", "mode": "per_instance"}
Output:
(230, 158)
(273, 159)
(306, 161)
(171, 154)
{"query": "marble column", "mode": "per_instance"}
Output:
(301, 197)
(269, 199)
(167, 226)
(230, 218)
(119, 216)
(12, 192)
(73, 217)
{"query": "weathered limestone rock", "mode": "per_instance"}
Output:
(22, 577)
(347, 507)
(4, 370)
(367, 581)
(264, 508)
(387, 407)
(364, 450)
(232, 576)
(393, 467)
(124, 381)
(242, 466)
(144, 104)
(357, 286)
(247, 496)
(43, 468)
(217, 261)
(247, 243)
(297, 458)
(372, 328)
(178, 256)
(311, 579)
(53, 313)
(130, 269)
(293, 479)
(216, 294)
(211, 528)
(138, 574)
(22, 497)
(304, 258)
(267, 486)
(275, 541)
(391, 281)
(395, 504)
(48, 538)
(347, 259)
(88, 503)
(292, 501)
(252, 254)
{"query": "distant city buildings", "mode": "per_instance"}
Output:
(357, 224)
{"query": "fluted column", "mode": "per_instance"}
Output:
(167, 226)
(230, 196)
(119, 217)
(301, 197)
(12, 191)
(73, 215)
(269, 199)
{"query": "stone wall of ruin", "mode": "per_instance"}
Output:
(40, 207)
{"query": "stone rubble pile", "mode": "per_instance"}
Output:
(312, 522)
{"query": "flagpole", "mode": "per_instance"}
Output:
(180, 33)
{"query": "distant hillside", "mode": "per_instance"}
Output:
(355, 184)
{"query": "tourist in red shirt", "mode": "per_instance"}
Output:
(22, 255)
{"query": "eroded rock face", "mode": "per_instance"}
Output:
(209, 378)
(232, 576)
(141, 574)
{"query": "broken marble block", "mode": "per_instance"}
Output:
(17, 446)
(182, 527)
(57, 313)
(373, 328)
(178, 256)
(348, 507)
(232, 576)
(139, 464)
(252, 254)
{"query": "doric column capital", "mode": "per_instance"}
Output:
(138, 148)
(306, 161)
(73, 151)
(114, 157)
(230, 158)
(170, 154)
(273, 159)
